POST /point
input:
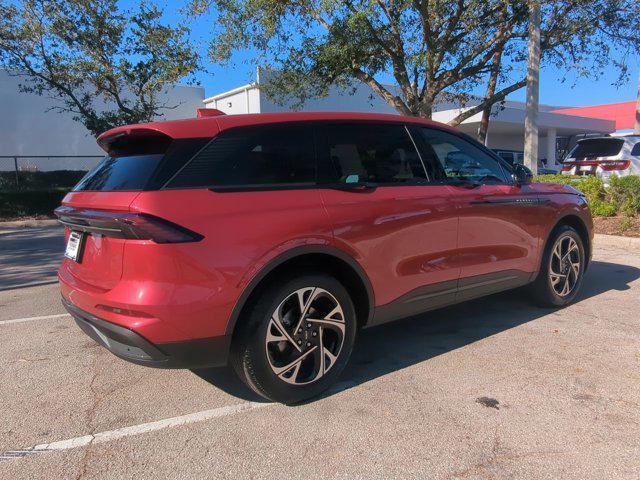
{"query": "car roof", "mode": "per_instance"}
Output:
(624, 138)
(209, 126)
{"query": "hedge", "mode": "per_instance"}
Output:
(42, 181)
(31, 202)
(621, 195)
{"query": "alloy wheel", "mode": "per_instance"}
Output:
(564, 265)
(305, 335)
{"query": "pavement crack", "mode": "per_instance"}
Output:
(90, 416)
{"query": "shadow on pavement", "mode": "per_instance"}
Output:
(30, 256)
(397, 345)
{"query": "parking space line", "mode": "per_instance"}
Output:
(133, 430)
(111, 435)
(31, 319)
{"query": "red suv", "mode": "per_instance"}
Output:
(266, 241)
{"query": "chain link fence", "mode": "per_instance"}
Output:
(20, 173)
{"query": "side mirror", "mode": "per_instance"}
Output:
(521, 174)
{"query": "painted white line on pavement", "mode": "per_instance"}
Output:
(110, 435)
(31, 319)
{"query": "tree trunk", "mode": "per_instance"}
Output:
(637, 125)
(533, 88)
(491, 90)
(496, 62)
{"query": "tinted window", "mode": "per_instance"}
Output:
(142, 165)
(596, 147)
(506, 156)
(460, 159)
(248, 156)
(381, 154)
(635, 151)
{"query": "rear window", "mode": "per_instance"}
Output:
(635, 151)
(142, 165)
(596, 147)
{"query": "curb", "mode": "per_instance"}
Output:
(33, 223)
(631, 244)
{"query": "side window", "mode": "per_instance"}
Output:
(459, 159)
(382, 154)
(635, 151)
(253, 156)
(506, 156)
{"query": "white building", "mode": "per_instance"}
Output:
(28, 126)
(506, 128)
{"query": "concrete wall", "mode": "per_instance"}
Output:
(27, 128)
(359, 99)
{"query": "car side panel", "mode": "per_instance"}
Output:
(190, 289)
(403, 236)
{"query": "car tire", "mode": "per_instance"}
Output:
(296, 338)
(562, 269)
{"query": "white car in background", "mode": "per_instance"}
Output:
(604, 156)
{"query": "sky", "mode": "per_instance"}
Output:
(556, 87)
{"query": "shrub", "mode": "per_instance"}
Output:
(622, 195)
(624, 192)
(42, 181)
(37, 202)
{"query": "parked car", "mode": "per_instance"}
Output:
(604, 156)
(267, 241)
(515, 156)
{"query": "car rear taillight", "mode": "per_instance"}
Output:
(615, 165)
(139, 226)
(567, 166)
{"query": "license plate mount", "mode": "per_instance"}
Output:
(75, 243)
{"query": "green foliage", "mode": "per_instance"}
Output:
(39, 180)
(433, 50)
(625, 194)
(106, 65)
(622, 195)
(23, 204)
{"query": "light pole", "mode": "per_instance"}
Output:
(636, 128)
(533, 88)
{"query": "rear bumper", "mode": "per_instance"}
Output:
(130, 346)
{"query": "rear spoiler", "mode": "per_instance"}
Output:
(208, 112)
(142, 140)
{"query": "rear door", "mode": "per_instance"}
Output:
(499, 230)
(388, 215)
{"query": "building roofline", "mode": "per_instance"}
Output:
(242, 88)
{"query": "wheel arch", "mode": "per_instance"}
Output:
(323, 259)
(574, 221)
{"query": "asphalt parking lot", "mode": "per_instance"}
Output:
(493, 388)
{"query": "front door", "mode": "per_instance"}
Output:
(387, 214)
(499, 224)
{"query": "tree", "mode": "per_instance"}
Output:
(105, 65)
(585, 36)
(433, 50)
